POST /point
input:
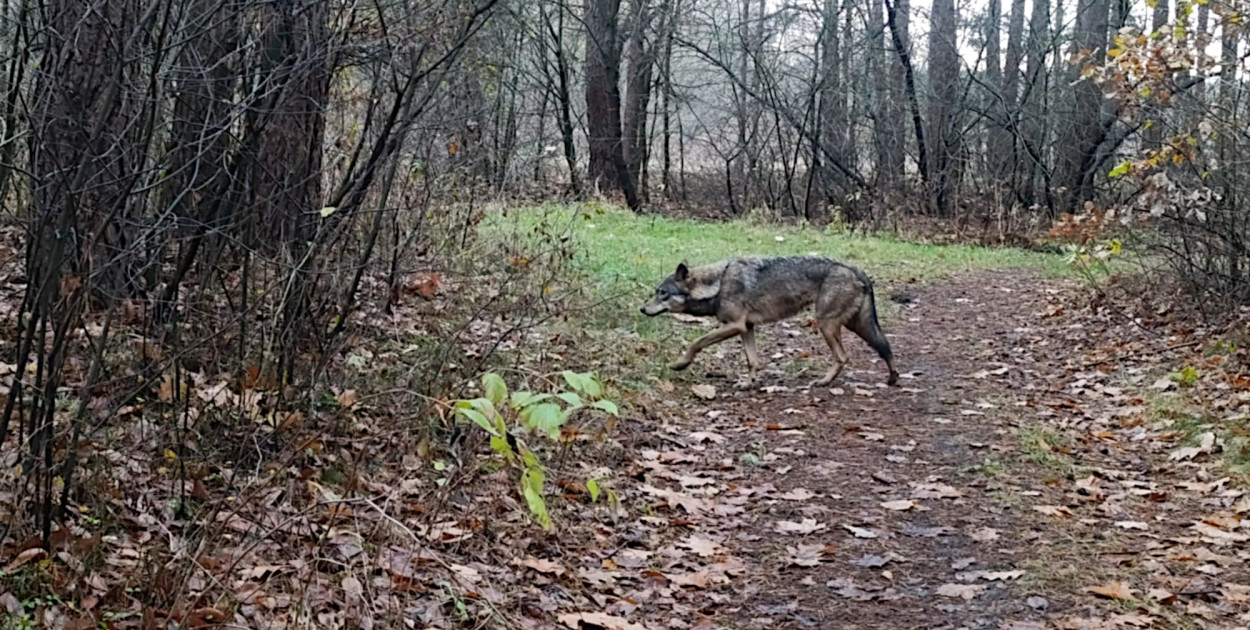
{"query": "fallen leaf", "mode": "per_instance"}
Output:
(1000, 576)
(1131, 525)
(860, 532)
(935, 491)
(985, 534)
(1057, 511)
(704, 391)
(602, 620)
(805, 555)
(540, 565)
(807, 526)
(704, 547)
(871, 561)
(899, 506)
(966, 591)
(695, 579)
(798, 494)
(1113, 590)
(352, 588)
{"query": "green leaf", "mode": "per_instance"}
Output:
(478, 418)
(572, 399)
(501, 446)
(592, 486)
(537, 506)
(327, 211)
(521, 400)
(608, 406)
(546, 418)
(584, 383)
(1122, 169)
(494, 388)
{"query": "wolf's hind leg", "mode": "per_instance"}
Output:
(831, 330)
(748, 344)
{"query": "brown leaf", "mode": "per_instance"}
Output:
(694, 579)
(598, 620)
(543, 566)
(1113, 590)
(1057, 511)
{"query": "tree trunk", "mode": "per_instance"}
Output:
(832, 114)
(1085, 131)
(1010, 108)
(603, 100)
(998, 139)
(287, 176)
(641, 58)
(879, 82)
(1033, 115)
(564, 110)
(1152, 135)
(671, 11)
(944, 106)
(901, 95)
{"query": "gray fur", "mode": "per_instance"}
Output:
(745, 292)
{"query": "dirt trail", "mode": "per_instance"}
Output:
(909, 507)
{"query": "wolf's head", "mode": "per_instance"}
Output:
(671, 295)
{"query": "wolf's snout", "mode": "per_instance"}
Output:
(642, 309)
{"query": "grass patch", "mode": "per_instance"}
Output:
(626, 255)
(1044, 446)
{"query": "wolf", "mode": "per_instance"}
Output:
(743, 293)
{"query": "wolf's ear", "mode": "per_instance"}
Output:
(682, 272)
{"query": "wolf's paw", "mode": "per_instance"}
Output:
(679, 365)
(893, 380)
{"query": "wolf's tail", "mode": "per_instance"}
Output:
(871, 332)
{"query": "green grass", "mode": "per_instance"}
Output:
(1044, 446)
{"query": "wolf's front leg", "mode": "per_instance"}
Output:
(716, 336)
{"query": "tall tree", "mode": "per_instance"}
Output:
(1008, 155)
(944, 105)
(603, 100)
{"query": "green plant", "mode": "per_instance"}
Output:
(529, 413)
(1186, 376)
(1093, 261)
